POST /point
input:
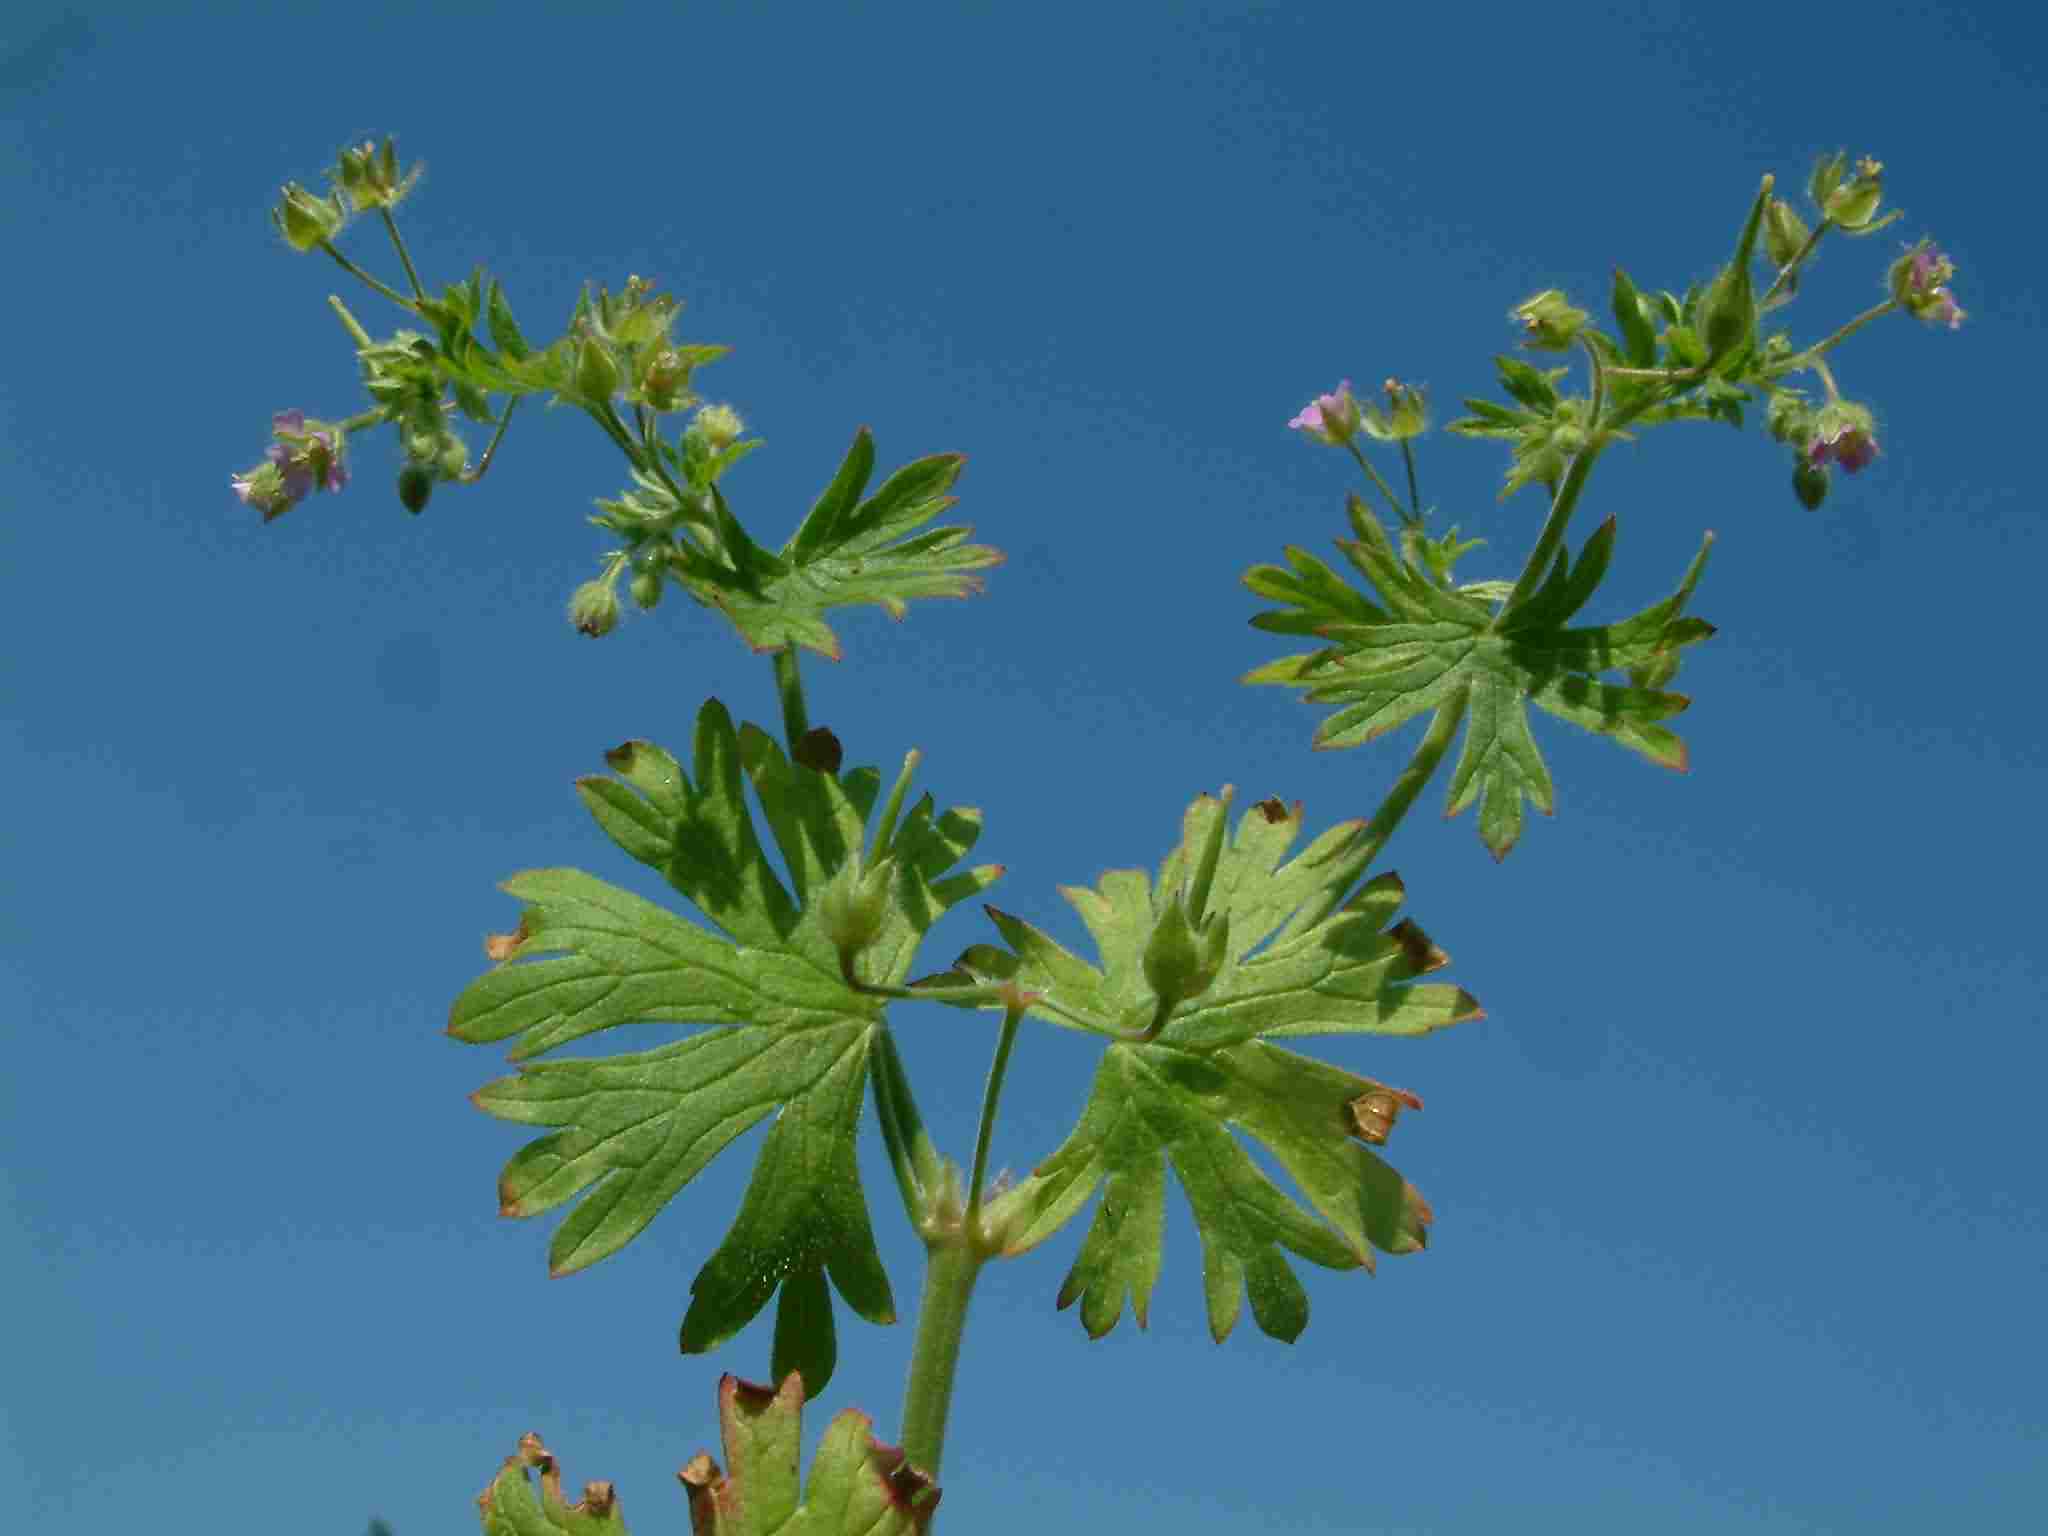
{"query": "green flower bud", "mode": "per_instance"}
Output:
(594, 609)
(1549, 322)
(1405, 415)
(719, 426)
(597, 371)
(646, 586)
(1785, 233)
(306, 220)
(1853, 203)
(855, 904)
(1809, 483)
(370, 176)
(451, 461)
(1726, 317)
(1182, 957)
(415, 488)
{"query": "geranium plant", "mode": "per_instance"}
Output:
(808, 885)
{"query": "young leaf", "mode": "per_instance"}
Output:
(507, 1506)
(1303, 959)
(858, 1486)
(850, 551)
(1421, 649)
(792, 1040)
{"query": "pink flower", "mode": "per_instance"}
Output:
(1331, 418)
(1921, 284)
(300, 462)
(1844, 433)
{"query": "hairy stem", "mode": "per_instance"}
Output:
(950, 1272)
(357, 272)
(404, 256)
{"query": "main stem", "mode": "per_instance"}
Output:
(952, 1266)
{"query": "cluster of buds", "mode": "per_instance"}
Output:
(366, 177)
(308, 456)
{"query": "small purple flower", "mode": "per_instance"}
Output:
(300, 462)
(1925, 288)
(1844, 433)
(1331, 418)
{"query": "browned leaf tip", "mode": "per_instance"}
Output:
(1274, 809)
(620, 758)
(1422, 954)
(819, 750)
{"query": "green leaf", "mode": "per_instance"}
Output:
(1421, 649)
(1303, 959)
(850, 551)
(858, 1486)
(791, 1039)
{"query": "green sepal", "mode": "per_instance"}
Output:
(1638, 336)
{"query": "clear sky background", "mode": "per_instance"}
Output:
(1739, 1185)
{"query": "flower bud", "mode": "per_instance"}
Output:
(597, 371)
(594, 609)
(1785, 233)
(415, 488)
(1549, 322)
(646, 586)
(1809, 483)
(1844, 432)
(451, 460)
(719, 426)
(1405, 415)
(1919, 282)
(1726, 317)
(371, 178)
(1332, 418)
(665, 380)
(1852, 203)
(855, 904)
(1183, 957)
(306, 220)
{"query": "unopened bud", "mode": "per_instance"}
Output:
(1549, 322)
(415, 488)
(1852, 203)
(597, 371)
(1785, 233)
(646, 586)
(1182, 957)
(305, 219)
(1809, 483)
(855, 904)
(594, 609)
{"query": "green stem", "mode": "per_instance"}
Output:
(356, 332)
(608, 419)
(912, 1157)
(950, 1272)
(1373, 836)
(789, 684)
(991, 1096)
(1819, 349)
(892, 808)
(1791, 268)
(1393, 503)
(1414, 494)
(404, 256)
(355, 271)
(497, 437)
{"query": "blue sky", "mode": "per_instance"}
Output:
(1740, 1223)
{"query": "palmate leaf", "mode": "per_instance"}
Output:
(1303, 959)
(1421, 648)
(792, 1038)
(848, 551)
(858, 1486)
